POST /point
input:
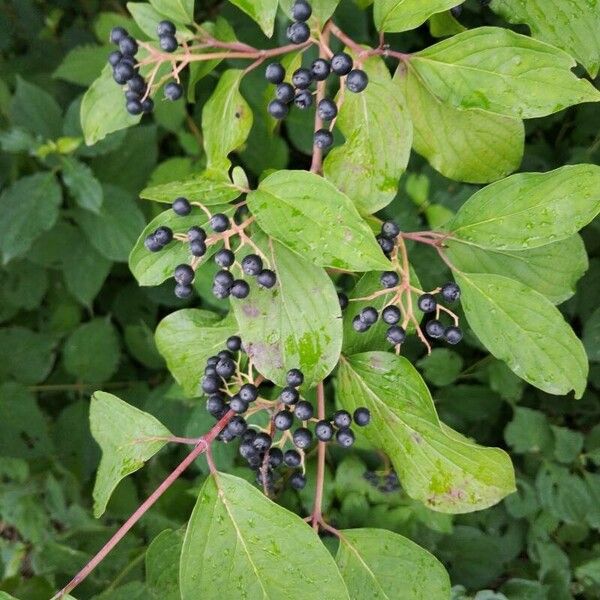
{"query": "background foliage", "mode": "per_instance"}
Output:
(72, 319)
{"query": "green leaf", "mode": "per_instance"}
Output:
(572, 26)
(25, 355)
(208, 188)
(374, 338)
(141, 345)
(226, 120)
(162, 565)
(23, 285)
(114, 229)
(261, 11)
(152, 268)
(528, 432)
(147, 18)
(82, 184)
(402, 15)
(528, 210)
(591, 336)
(127, 437)
(321, 9)
(435, 464)
(313, 218)
(567, 444)
(502, 72)
(470, 145)
(237, 539)
(441, 366)
(521, 327)
(35, 110)
(444, 24)
(373, 561)
(378, 132)
(91, 352)
(186, 338)
(103, 109)
(27, 209)
(83, 64)
(177, 10)
(552, 270)
(295, 324)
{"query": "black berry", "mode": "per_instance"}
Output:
(237, 405)
(283, 420)
(278, 109)
(275, 457)
(369, 315)
(324, 431)
(453, 335)
(395, 335)
(237, 426)
(342, 418)
(266, 278)
(223, 279)
(323, 138)
(391, 315)
(359, 325)
(164, 235)
(152, 243)
(345, 437)
(215, 404)
(294, 377)
(389, 229)
(183, 291)
(357, 81)
(240, 289)
(224, 258)
(181, 206)
(427, 303)
(114, 58)
(234, 343)
(168, 43)
(184, 274)
(117, 34)
(302, 78)
(303, 99)
(303, 410)
(298, 33)
(219, 222)
(196, 233)
(275, 73)
(123, 72)
(343, 300)
(134, 107)
(327, 109)
(173, 91)
(147, 105)
(341, 63)
(248, 392)
(198, 248)
(137, 85)
(389, 279)
(225, 368)
(285, 92)
(289, 395)
(301, 10)
(252, 264)
(456, 10)
(292, 458)
(298, 481)
(210, 384)
(450, 292)
(128, 46)
(434, 329)
(302, 438)
(362, 416)
(386, 244)
(320, 69)
(165, 28)
(262, 442)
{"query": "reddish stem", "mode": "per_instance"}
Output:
(202, 445)
(317, 513)
(317, 157)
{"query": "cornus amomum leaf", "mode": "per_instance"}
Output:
(502, 72)
(470, 145)
(373, 560)
(521, 327)
(572, 26)
(552, 270)
(436, 464)
(295, 324)
(162, 565)
(313, 218)
(529, 210)
(262, 11)
(238, 541)
(127, 437)
(378, 133)
(186, 338)
(402, 15)
(226, 120)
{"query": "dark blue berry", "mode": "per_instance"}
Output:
(183, 291)
(278, 109)
(292, 458)
(165, 28)
(114, 58)
(323, 431)
(198, 248)
(137, 84)
(196, 233)
(434, 329)
(147, 105)
(240, 289)
(343, 300)
(285, 92)
(184, 274)
(237, 426)
(389, 279)
(391, 314)
(168, 43)
(163, 234)
(450, 292)
(302, 438)
(248, 392)
(224, 279)
(128, 46)
(320, 69)
(342, 418)
(385, 243)
(294, 377)
(369, 315)
(262, 442)
(303, 410)
(234, 344)
(289, 395)
(302, 78)
(395, 335)
(345, 437)
(298, 481)
(210, 384)
(123, 72)
(219, 222)
(224, 258)
(215, 404)
(301, 10)
(357, 81)
(275, 457)
(283, 420)
(298, 33)
(181, 206)
(323, 139)
(173, 91)
(359, 325)
(237, 405)
(390, 230)
(341, 63)
(152, 243)
(225, 368)
(266, 278)
(427, 303)
(252, 264)
(453, 335)
(117, 34)
(303, 99)
(275, 73)
(327, 109)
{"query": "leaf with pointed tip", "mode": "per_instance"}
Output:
(186, 339)
(82, 184)
(378, 132)
(152, 268)
(226, 120)
(552, 270)
(127, 436)
(470, 145)
(372, 561)
(436, 465)
(503, 72)
(573, 26)
(310, 216)
(261, 11)
(237, 539)
(528, 210)
(524, 329)
(208, 188)
(295, 324)
(402, 15)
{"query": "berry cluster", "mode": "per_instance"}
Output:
(298, 92)
(228, 389)
(224, 283)
(384, 482)
(429, 304)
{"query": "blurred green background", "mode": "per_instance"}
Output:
(72, 320)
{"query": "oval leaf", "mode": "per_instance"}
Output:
(127, 437)
(528, 210)
(436, 465)
(186, 338)
(373, 562)
(521, 327)
(237, 539)
(503, 72)
(402, 15)
(296, 324)
(313, 218)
